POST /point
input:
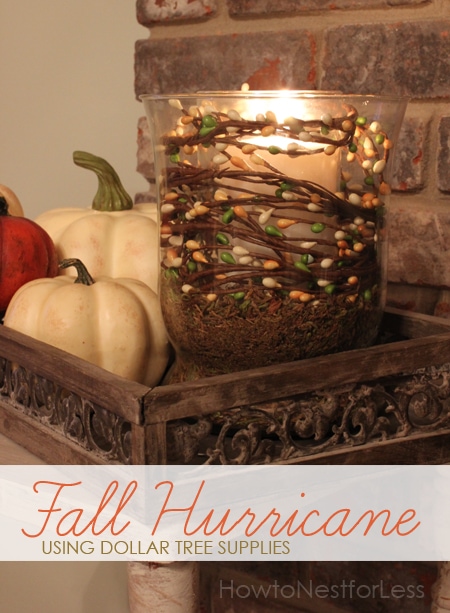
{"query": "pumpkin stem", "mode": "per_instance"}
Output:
(83, 275)
(111, 195)
(3, 206)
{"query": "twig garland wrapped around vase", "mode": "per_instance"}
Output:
(273, 224)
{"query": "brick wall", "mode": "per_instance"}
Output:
(355, 46)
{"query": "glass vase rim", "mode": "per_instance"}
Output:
(274, 94)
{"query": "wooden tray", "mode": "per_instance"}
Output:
(389, 404)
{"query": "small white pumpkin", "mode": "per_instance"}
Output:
(113, 238)
(114, 323)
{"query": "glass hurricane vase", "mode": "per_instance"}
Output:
(272, 209)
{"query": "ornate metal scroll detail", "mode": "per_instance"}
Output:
(276, 431)
(83, 422)
(313, 423)
(183, 439)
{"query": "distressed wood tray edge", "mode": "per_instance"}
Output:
(147, 411)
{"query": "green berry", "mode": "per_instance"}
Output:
(301, 266)
(318, 227)
(209, 121)
(222, 239)
(238, 295)
(228, 216)
(273, 231)
(227, 258)
(205, 131)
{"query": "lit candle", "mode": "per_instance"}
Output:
(257, 157)
(290, 154)
(294, 153)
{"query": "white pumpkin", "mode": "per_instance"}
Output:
(113, 238)
(114, 323)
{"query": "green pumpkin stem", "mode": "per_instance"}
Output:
(111, 195)
(83, 275)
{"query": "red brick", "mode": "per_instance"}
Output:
(409, 161)
(417, 244)
(145, 160)
(443, 161)
(150, 12)
(411, 59)
(264, 60)
(242, 8)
